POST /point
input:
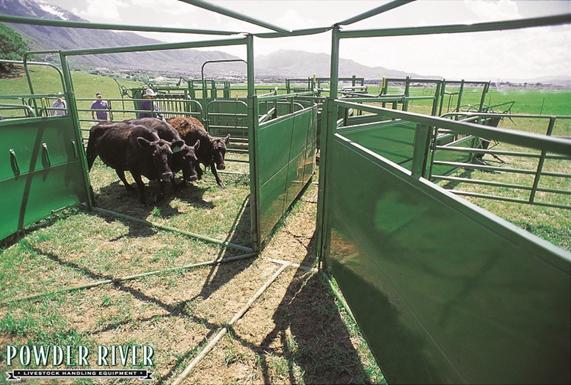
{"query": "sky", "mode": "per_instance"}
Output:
(532, 53)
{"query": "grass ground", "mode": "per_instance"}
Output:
(280, 340)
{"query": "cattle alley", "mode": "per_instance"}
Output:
(192, 298)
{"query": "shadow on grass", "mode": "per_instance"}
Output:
(321, 346)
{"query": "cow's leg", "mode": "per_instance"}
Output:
(140, 185)
(215, 172)
(199, 171)
(161, 195)
(121, 175)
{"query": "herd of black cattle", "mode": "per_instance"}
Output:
(157, 149)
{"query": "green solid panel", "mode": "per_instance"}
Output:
(301, 125)
(294, 178)
(286, 149)
(393, 140)
(272, 199)
(444, 291)
(39, 170)
(274, 140)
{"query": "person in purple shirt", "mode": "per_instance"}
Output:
(149, 105)
(99, 108)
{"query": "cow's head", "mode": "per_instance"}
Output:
(186, 155)
(219, 151)
(160, 152)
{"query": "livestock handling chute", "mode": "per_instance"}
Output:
(443, 290)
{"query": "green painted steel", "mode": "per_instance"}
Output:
(116, 27)
(234, 14)
(460, 28)
(391, 139)
(375, 11)
(286, 151)
(451, 156)
(443, 291)
(40, 170)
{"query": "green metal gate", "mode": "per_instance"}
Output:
(285, 160)
(40, 170)
(444, 291)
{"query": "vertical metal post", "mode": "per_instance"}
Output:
(442, 92)
(191, 89)
(334, 77)
(30, 85)
(214, 91)
(73, 113)
(460, 94)
(252, 144)
(406, 93)
(250, 65)
(541, 162)
(421, 148)
(483, 97)
(436, 99)
(205, 103)
(384, 86)
(328, 127)
(353, 80)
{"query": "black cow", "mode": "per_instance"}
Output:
(132, 148)
(212, 150)
(185, 156)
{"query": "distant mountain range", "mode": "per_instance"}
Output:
(279, 65)
(293, 63)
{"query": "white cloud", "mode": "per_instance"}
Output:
(487, 10)
(103, 9)
(532, 52)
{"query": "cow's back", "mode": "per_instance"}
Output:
(190, 130)
(163, 129)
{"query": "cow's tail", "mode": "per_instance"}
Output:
(91, 151)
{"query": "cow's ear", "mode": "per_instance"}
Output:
(227, 139)
(143, 142)
(197, 144)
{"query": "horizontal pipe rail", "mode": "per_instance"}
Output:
(460, 28)
(525, 139)
(115, 27)
(499, 152)
(503, 169)
(498, 184)
(508, 199)
(173, 229)
(91, 285)
(375, 11)
(295, 32)
(235, 15)
(510, 115)
(262, 98)
(157, 47)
